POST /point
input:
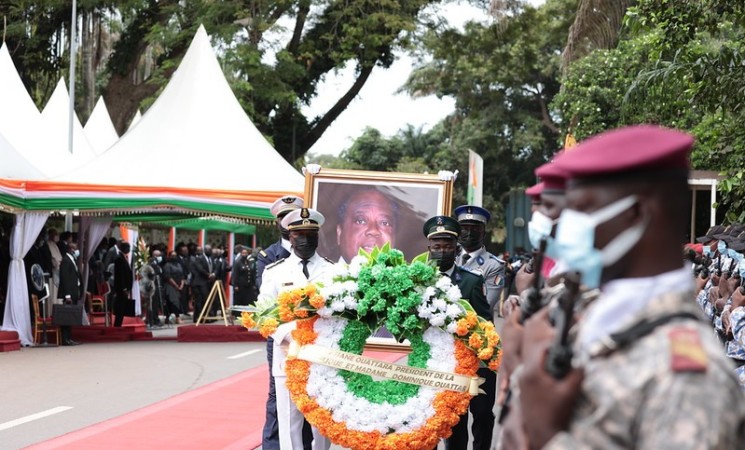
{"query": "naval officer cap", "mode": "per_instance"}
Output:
(471, 213)
(303, 219)
(285, 204)
(638, 152)
(441, 227)
(709, 236)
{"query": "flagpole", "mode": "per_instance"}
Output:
(73, 33)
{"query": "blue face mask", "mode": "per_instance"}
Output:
(575, 240)
(741, 269)
(731, 253)
(722, 247)
(707, 251)
(76, 253)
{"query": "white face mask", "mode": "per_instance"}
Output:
(539, 227)
(575, 240)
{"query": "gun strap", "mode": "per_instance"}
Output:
(643, 328)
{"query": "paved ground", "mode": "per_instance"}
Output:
(47, 392)
(102, 381)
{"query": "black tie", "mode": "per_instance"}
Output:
(305, 268)
(465, 258)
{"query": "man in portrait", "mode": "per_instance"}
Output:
(367, 218)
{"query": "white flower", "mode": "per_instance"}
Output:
(452, 326)
(437, 320)
(424, 312)
(443, 283)
(454, 294)
(337, 306)
(325, 312)
(454, 310)
(440, 304)
(429, 293)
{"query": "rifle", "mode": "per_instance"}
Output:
(719, 265)
(559, 360)
(532, 299)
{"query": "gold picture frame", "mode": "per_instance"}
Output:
(415, 197)
(365, 208)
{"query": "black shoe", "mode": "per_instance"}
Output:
(70, 342)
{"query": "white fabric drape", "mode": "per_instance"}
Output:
(17, 314)
(91, 231)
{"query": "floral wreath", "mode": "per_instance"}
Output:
(413, 302)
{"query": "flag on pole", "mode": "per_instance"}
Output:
(475, 179)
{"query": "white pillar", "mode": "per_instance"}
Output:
(713, 218)
(693, 215)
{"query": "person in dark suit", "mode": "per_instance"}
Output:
(123, 279)
(243, 279)
(202, 276)
(70, 285)
(278, 250)
(443, 233)
(185, 260)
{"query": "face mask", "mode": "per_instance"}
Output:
(722, 247)
(575, 240)
(444, 260)
(76, 253)
(707, 251)
(158, 259)
(305, 246)
(285, 234)
(741, 270)
(470, 239)
(539, 227)
(731, 253)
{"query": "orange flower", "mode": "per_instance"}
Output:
(486, 353)
(461, 327)
(475, 341)
(268, 327)
(472, 319)
(317, 301)
(247, 320)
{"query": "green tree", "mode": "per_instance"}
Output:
(149, 38)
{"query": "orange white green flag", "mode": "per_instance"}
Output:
(475, 179)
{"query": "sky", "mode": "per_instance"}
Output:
(378, 105)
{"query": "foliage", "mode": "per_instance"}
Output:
(273, 70)
(679, 64)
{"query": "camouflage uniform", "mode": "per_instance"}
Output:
(737, 320)
(672, 388)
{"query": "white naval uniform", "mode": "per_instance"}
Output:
(287, 274)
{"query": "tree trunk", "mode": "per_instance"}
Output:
(88, 71)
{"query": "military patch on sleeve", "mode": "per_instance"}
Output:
(687, 354)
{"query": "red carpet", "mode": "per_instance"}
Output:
(227, 414)
(217, 333)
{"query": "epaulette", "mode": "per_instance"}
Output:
(472, 272)
(275, 263)
(328, 260)
(496, 257)
(263, 253)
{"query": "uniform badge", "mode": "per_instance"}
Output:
(480, 260)
(687, 354)
(288, 200)
(469, 216)
(289, 283)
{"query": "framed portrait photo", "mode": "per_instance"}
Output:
(364, 209)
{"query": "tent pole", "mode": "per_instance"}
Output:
(73, 33)
(172, 239)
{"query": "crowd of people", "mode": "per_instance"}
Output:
(173, 288)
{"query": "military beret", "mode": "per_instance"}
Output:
(709, 236)
(472, 213)
(534, 192)
(441, 227)
(553, 177)
(285, 204)
(303, 219)
(638, 149)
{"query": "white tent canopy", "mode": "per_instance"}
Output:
(14, 165)
(99, 129)
(19, 117)
(195, 125)
(53, 155)
(135, 119)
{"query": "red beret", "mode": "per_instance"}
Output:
(535, 191)
(553, 177)
(638, 148)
